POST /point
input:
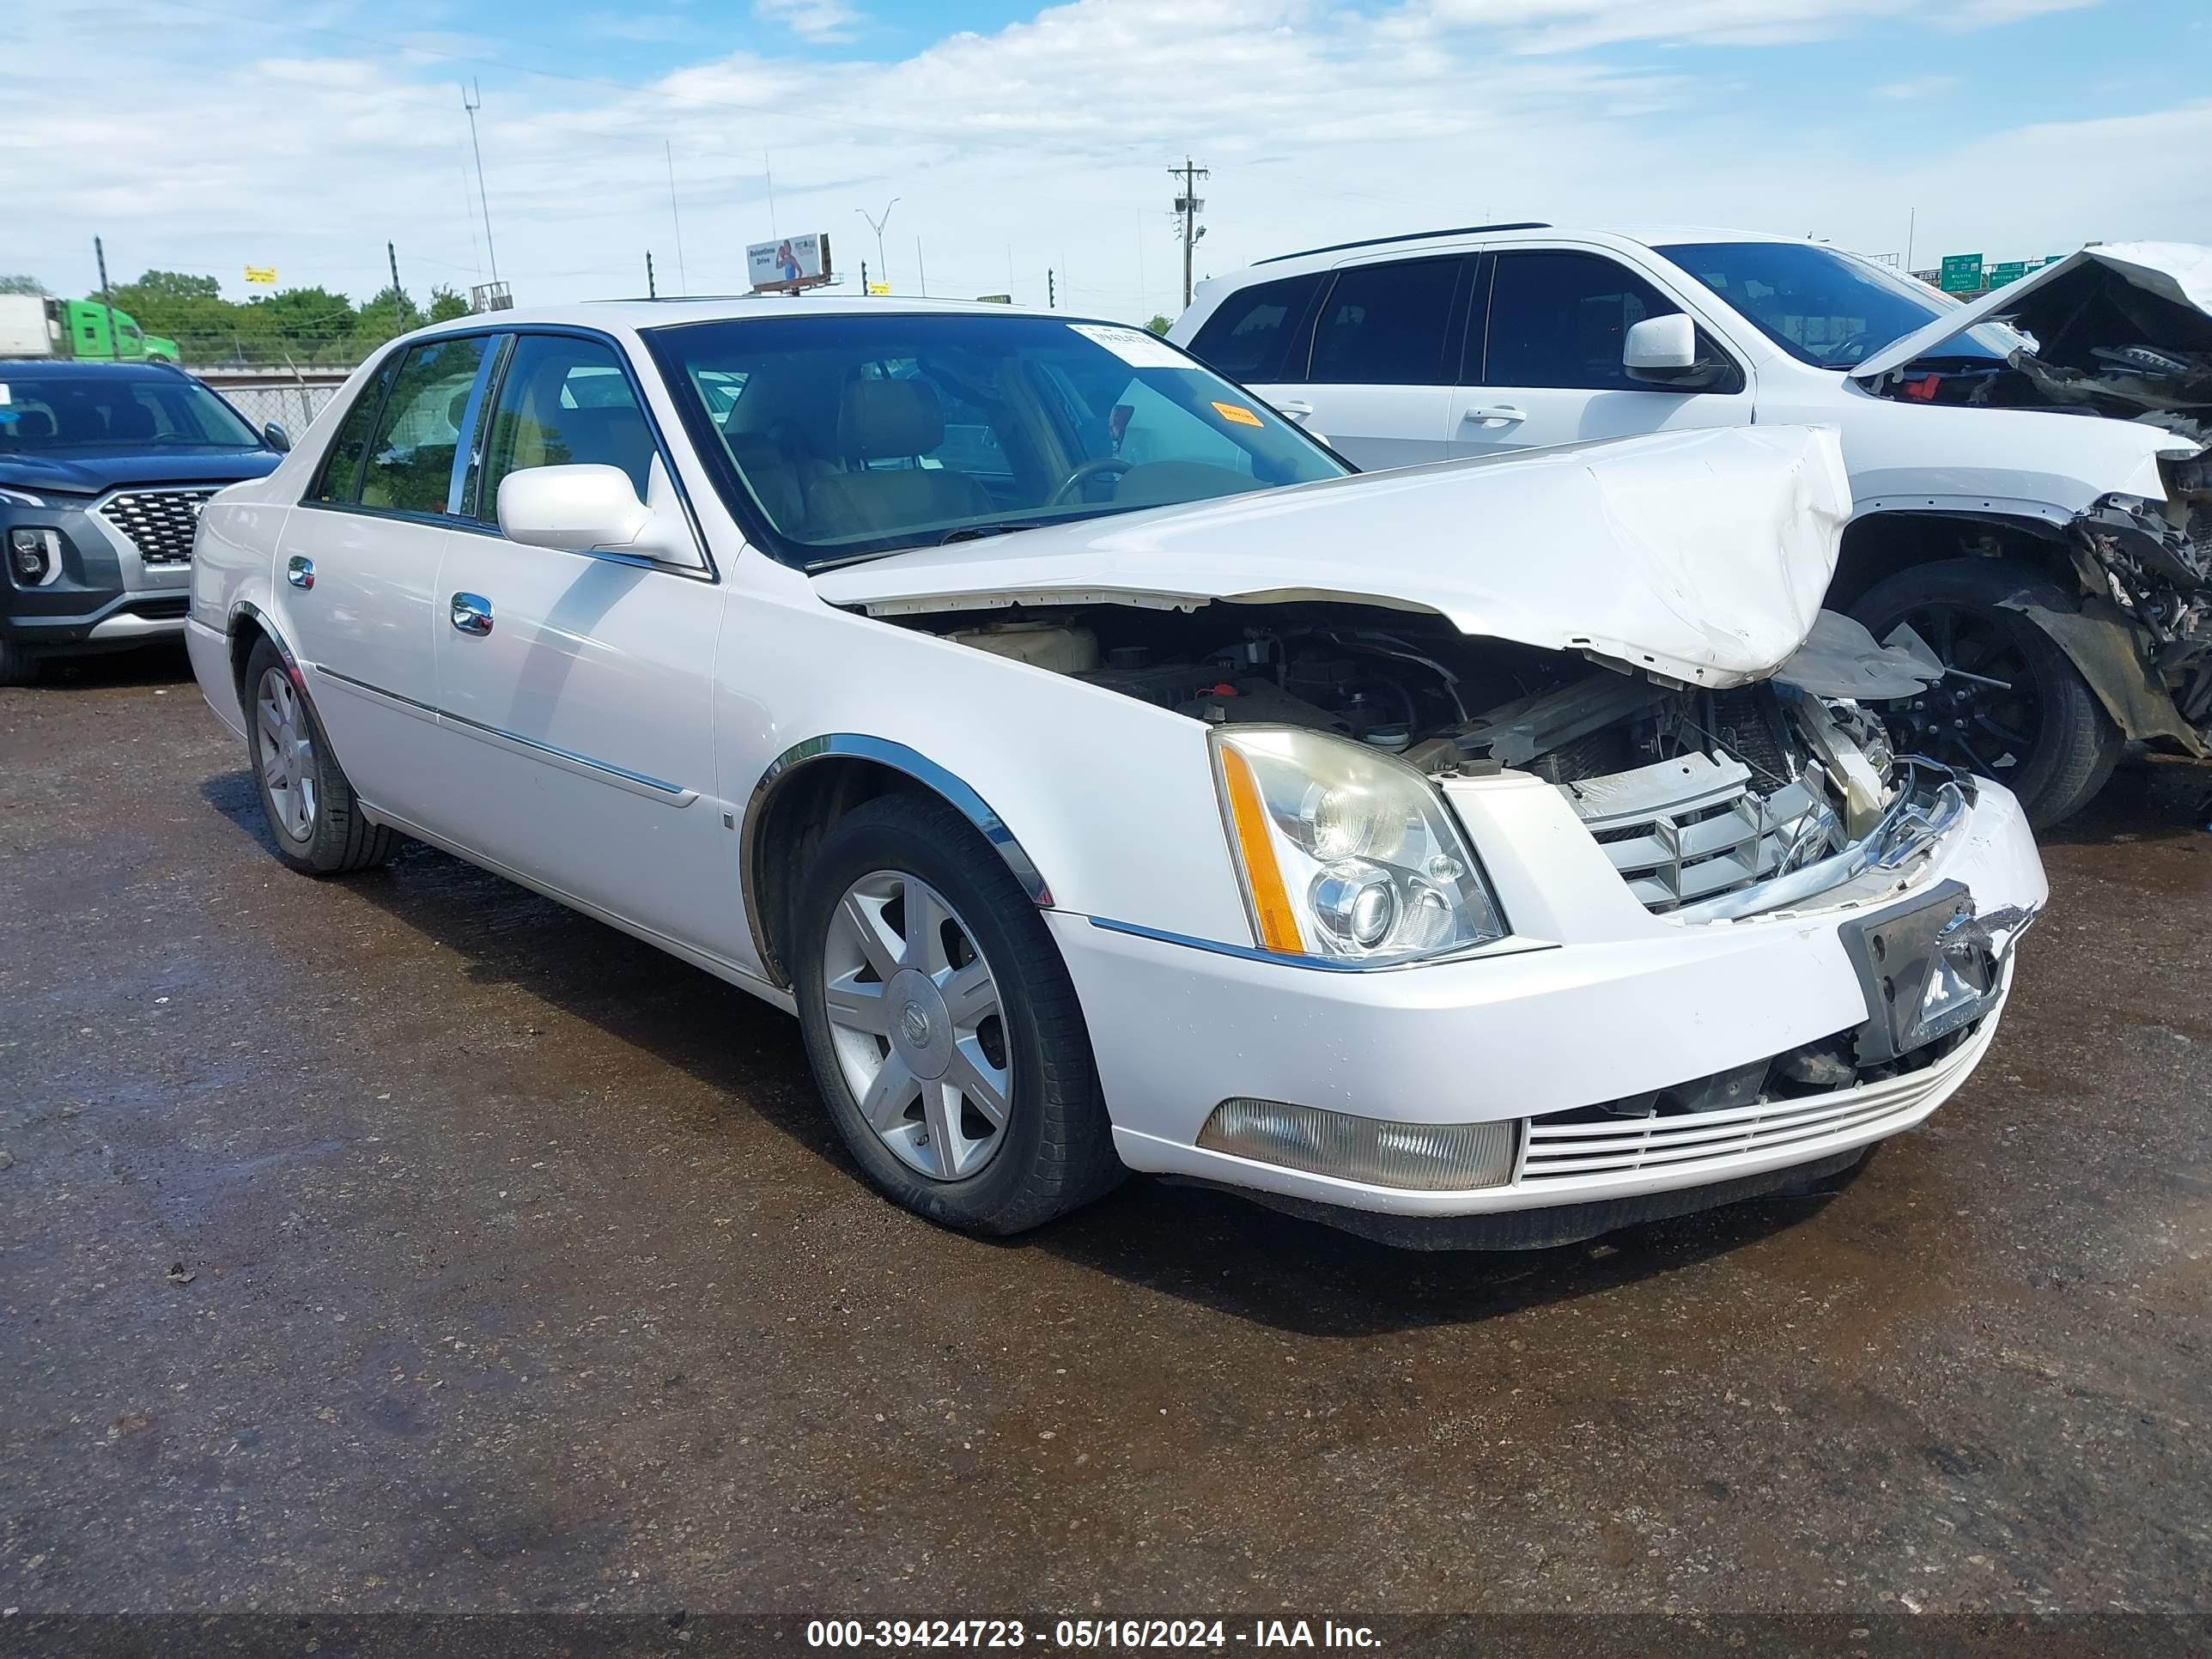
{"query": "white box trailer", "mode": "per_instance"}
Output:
(28, 327)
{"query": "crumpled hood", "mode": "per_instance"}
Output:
(2117, 295)
(1700, 556)
(90, 473)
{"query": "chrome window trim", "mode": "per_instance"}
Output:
(466, 454)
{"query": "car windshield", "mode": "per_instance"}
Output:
(1830, 309)
(40, 414)
(857, 433)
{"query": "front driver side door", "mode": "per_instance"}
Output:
(576, 688)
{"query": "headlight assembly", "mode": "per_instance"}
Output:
(1346, 852)
(21, 498)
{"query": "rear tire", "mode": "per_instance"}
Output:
(1053, 1149)
(309, 805)
(1958, 606)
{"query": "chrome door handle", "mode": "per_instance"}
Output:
(472, 613)
(300, 572)
(1503, 415)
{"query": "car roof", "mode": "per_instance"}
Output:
(1531, 230)
(639, 314)
(68, 368)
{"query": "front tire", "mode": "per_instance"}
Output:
(317, 823)
(2042, 733)
(17, 666)
(944, 1030)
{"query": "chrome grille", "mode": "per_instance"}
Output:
(1566, 1152)
(1691, 829)
(159, 523)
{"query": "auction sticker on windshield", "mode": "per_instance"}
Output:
(1236, 412)
(1134, 346)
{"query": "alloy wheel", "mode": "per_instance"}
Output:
(287, 754)
(1985, 714)
(918, 1024)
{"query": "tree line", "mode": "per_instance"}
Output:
(297, 325)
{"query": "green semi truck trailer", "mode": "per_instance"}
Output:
(38, 326)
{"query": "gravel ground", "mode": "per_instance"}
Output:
(411, 1242)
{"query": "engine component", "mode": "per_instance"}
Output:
(1518, 732)
(1042, 644)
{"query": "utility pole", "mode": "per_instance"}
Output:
(398, 294)
(921, 267)
(1051, 291)
(876, 225)
(1189, 205)
(651, 293)
(472, 101)
(863, 279)
(1911, 227)
(114, 340)
(681, 281)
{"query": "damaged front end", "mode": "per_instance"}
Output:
(2141, 635)
(1713, 806)
(1710, 804)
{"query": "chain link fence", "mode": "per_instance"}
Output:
(291, 405)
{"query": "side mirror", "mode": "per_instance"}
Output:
(590, 508)
(1661, 345)
(276, 437)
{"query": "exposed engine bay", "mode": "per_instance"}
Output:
(1709, 803)
(2109, 331)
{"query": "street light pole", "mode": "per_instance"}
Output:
(883, 268)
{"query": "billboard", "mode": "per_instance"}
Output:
(789, 263)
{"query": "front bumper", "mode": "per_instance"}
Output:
(1594, 1001)
(102, 593)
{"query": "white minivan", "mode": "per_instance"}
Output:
(2061, 567)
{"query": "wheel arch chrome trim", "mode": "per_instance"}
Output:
(246, 610)
(954, 790)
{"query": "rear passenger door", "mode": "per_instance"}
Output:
(1543, 357)
(1378, 374)
(576, 689)
(360, 558)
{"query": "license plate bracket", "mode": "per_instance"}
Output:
(1927, 969)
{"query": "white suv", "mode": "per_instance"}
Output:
(2060, 567)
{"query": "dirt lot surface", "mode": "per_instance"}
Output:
(409, 1241)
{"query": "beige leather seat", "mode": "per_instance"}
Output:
(889, 421)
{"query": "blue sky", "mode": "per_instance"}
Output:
(1019, 138)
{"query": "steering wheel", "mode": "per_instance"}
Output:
(1853, 348)
(1071, 486)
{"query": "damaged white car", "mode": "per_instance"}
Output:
(1488, 854)
(2059, 567)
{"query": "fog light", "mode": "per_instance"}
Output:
(1429, 1157)
(34, 555)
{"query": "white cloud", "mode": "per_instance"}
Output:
(810, 20)
(1044, 145)
(1914, 90)
(1579, 25)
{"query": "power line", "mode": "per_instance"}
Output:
(1187, 205)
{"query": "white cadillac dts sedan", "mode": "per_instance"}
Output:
(1488, 854)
